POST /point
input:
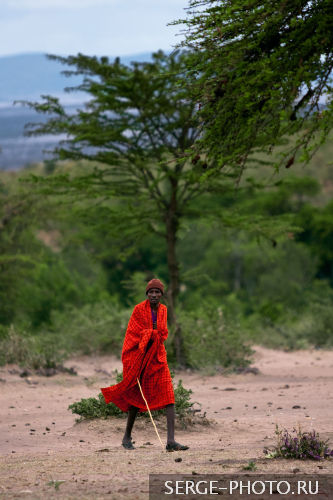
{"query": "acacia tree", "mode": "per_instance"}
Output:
(260, 70)
(138, 125)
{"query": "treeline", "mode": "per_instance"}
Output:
(68, 281)
(186, 168)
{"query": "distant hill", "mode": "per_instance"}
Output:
(27, 76)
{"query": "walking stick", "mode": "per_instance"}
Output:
(151, 418)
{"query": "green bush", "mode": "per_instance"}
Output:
(93, 328)
(30, 351)
(212, 341)
(89, 408)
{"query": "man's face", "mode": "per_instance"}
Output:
(154, 296)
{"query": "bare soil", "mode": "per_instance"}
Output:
(45, 454)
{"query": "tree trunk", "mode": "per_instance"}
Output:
(172, 225)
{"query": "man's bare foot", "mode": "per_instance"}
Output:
(127, 443)
(174, 446)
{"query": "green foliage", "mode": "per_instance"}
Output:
(183, 403)
(317, 223)
(30, 351)
(259, 70)
(56, 483)
(94, 328)
(250, 466)
(97, 408)
(211, 341)
(38, 273)
(139, 180)
(300, 445)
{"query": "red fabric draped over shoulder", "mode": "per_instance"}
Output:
(149, 365)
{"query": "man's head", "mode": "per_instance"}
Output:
(154, 291)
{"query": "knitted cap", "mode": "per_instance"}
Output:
(155, 283)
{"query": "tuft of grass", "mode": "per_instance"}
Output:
(56, 483)
(250, 466)
(299, 445)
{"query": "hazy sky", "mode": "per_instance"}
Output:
(110, 27)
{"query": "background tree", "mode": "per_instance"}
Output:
(260, 70)
(138, 125)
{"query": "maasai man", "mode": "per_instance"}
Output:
(144, 357)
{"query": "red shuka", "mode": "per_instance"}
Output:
(150, 366)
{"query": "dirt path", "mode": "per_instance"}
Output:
(40, 441)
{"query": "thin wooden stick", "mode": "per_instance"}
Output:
(150, 415)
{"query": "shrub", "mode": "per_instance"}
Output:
(32, 352)
(212, 341)
(300, 445)
(97, 408)
(93, 328)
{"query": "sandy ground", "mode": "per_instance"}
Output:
(40, 441)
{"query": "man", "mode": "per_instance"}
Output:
(144, 357)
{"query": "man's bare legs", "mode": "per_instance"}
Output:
(127, 439)
(170, 414)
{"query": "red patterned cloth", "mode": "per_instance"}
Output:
(148, 362)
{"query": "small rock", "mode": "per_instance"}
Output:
(26, 424)
(13, 425)
(47, 428)
(235, 420)
(229, 408)
(13, 371)
(148, 443)
(254, 407)
(82, 441)
(179, 460)
(295, 471)
(230, 389)
(195, 473)
(215, 387)
(248, 369)
(296, 407)
(63, 434)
